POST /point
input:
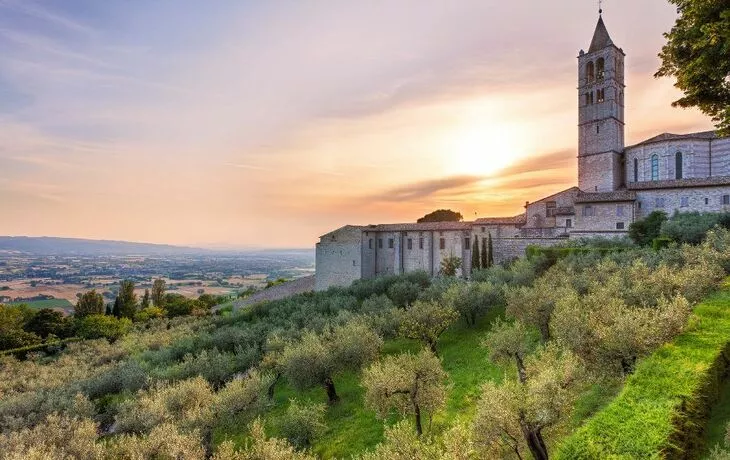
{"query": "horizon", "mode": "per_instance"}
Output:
(232, 124)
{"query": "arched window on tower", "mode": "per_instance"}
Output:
(590, 72)
(678, 165)
(655, 167)
(636, 170)
(601, 95)
(600, 68)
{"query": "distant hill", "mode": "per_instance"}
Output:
(70, 246)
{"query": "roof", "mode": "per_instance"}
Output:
(680, 183)
(416, 227)
(571, 189)
(601, 39)
(605, 197)
(514, 220)
(703, 135)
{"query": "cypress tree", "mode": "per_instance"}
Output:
(485, 256)
(117, 309)
(145, 299)
(475, 262)
(490, 260)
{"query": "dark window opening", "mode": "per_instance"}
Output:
(726, 199)
(707, 201)
(678, 165)
(380, 243)
(442, 243)
(420, 243)
(588, 211)
(410, 243)
(390, 243)
(655, 167)
(551, 208)
(590, 72)
(636, 170)
(370, 243)
(467, 243)
(619, 225)
(568, 223)
(600, 68)
(601, 95)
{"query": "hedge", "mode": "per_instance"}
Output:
(664, 407)
(46, 347)
(558, 252)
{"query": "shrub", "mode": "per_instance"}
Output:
(403, 293)
(473, 300)
(165, 441)
(103, 326)
(56, 437)
(260, 448)
(302, 423)
(645, 230)
(426, 321)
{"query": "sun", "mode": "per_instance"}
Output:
(483, 148)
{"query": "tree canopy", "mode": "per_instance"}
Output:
(442, 215)
(697, 54)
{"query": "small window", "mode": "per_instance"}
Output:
(390, 243)
(620, 210)
(636, 170)
(638, 204)
(707, 201)
(659, 202)
(600, 68)
(410, 243)
(380, 243)
(467, 243)
(678, 165)
(588, 211)
(370, 243)
(420, 243)
(354, 264)
(590, 72)
(601, 95)
(484, 229)
(619, 225)
(655, 167)
(684, 201)
(598, 129)
(726, 199)
(568, 223)
(551, 208)
(442, 243)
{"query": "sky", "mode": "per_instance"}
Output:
(241, 123)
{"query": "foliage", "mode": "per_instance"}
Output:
(426, 321)
(158, 293)
(127, 299)
(515, 414)
(691, 227)
(145, 303)
(442, 215)
(697, 54)
(90, 303)
(449, 265)
(410, 384)
(643, 231)
(475, 259)
(490, 252)
(164, 442)
(246, 395)
(663, 406)
(11, 338)
(302, 423)
(47, 322)
(403, 293)
(103, 326)
(148, 313)
(57, 437)
(473, 300)
(534, 305)
(261, 448)
(402, 443)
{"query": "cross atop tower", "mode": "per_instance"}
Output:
(600, 7)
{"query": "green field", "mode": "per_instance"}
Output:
(50, 303)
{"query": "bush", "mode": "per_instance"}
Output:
(645, 230)
(660, 243)
(103, 326)
(56, 437)
(403, 293)
(302, 423)
(691, 227)
(663, 407)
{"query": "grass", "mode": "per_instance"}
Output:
(664, 406)
(719, 419)
(353, 429)
(48, 303)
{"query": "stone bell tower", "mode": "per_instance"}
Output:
(601, 114)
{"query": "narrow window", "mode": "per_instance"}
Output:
(678, 164)
(684, 201)
(410, 243)
(354, 264)
(598, 129)
(442, 243)
(601, 95)
(588, 99)
(600, 68)
(484, 229)
(370, 243)
(467, 243)
(568, 223)
(619, 225)
(620, 210)
(659, 202)
(726, 199)
(639, 204)
(380, 243)
(590, 72)
(655, 167)
(420, 243)
(707, 201)
(636, 170)
(390, 243)
(588, 211)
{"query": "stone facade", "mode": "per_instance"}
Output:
(616, 186)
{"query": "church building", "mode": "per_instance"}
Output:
(617, 185)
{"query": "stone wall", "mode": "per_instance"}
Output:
(338, 259)
(506, 249)
(703, 199)
(280, 291)
(595, 217)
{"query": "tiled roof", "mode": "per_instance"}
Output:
(704, 135)
(547, 198)
(514, 220)
(603, 197)
(680, 183)
(601, 39)
(416, 227)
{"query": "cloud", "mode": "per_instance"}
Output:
(559, 159)
(426, 188)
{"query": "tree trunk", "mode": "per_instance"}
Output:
(535, 443)
(208, 442)
(329, 385)
(270, 391)
(432, 346)
(419, 428)
(521, 373)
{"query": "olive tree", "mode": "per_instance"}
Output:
(260, 448)
(411, 384)
(426, 321)
(515, 413)
(90, 303)
(316, 358)
(473, 300)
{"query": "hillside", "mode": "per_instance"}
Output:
(69, 246)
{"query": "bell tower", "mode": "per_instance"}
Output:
(601, 114)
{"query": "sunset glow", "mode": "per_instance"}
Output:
(266, 124)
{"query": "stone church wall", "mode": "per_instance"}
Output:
(702, 199)
(338, 259)
(506, 249)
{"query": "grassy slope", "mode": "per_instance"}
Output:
(353, 429)
(49, 303)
